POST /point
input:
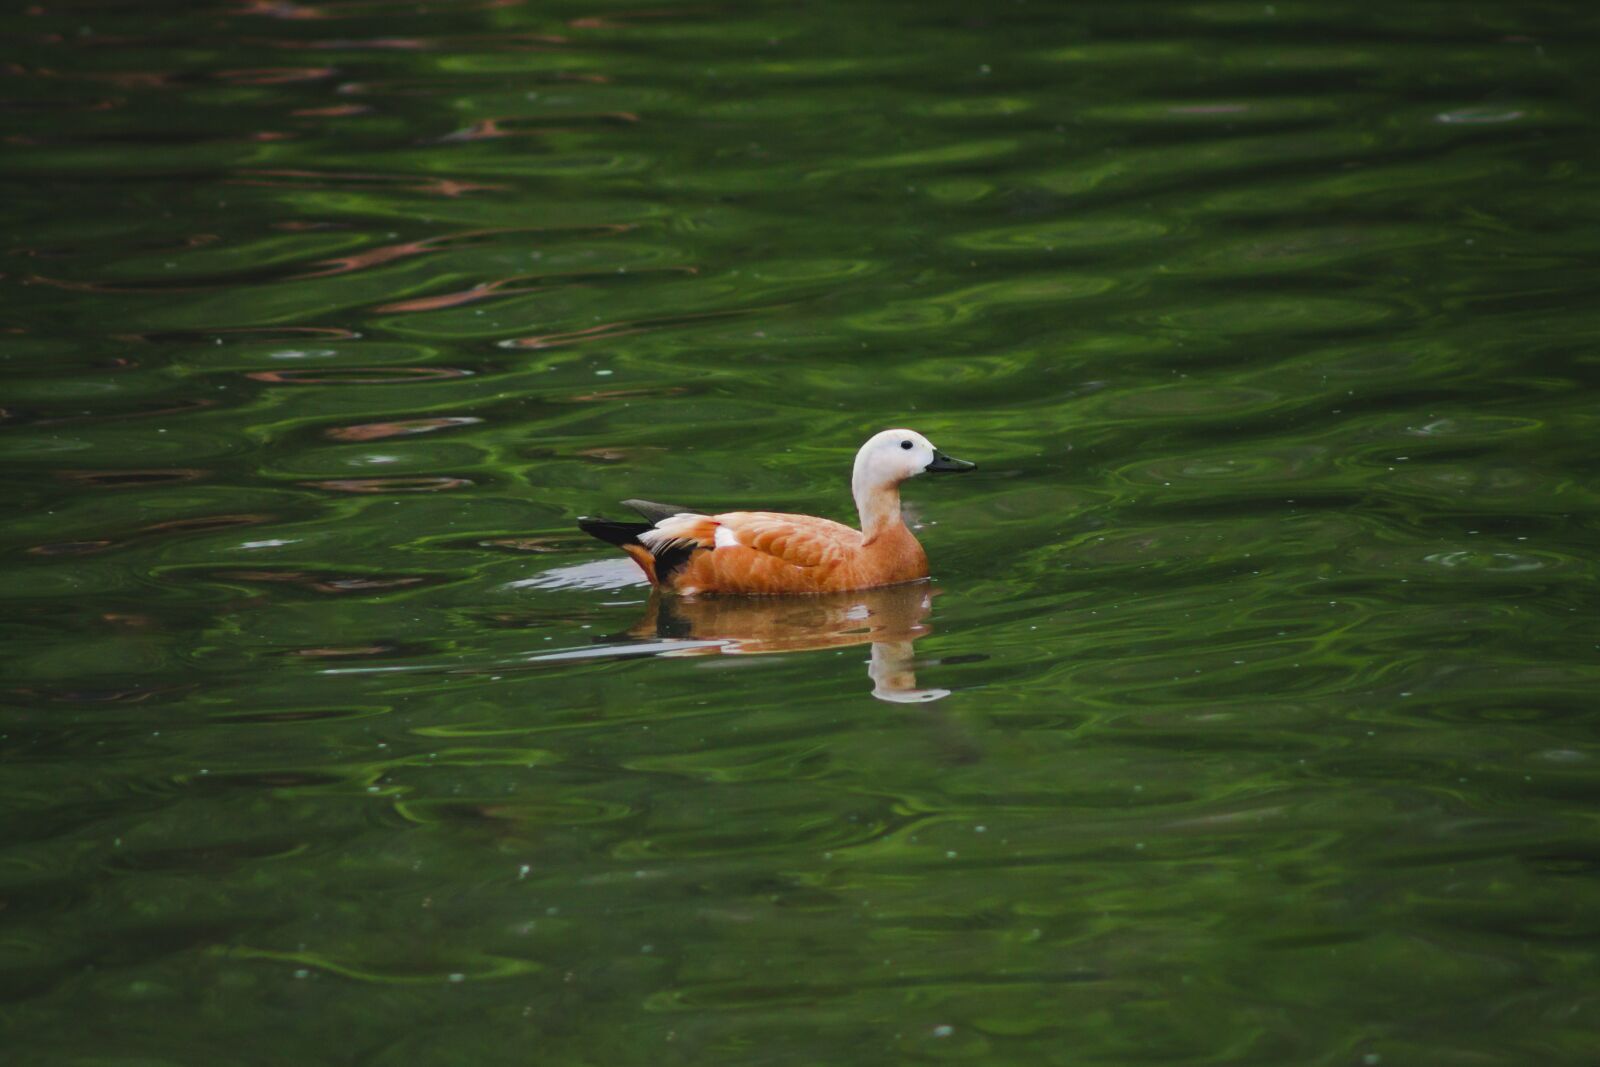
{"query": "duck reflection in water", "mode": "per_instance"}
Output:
(890, 618)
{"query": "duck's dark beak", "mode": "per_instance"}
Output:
(942, 462)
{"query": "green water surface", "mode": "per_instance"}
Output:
(1251, 716)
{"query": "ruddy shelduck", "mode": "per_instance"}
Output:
(765, 553)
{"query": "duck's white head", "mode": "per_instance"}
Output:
(886, 460)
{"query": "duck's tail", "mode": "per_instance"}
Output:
(621, 534)
(657, 564)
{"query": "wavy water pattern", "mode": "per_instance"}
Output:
(1255, 690)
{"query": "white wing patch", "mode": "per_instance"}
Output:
(674, 531)
(725, 538)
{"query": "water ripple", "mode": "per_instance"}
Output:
(1254, 718)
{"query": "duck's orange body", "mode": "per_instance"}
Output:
(766, 553)
(763, 553)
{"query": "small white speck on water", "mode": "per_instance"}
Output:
(943, 1031)
(302, 973)
(602, 374)
(458, 977)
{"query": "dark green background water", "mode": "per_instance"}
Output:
(1269, 625)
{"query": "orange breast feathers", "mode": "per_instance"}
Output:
(768, 552)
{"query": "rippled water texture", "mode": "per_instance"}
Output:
(1250, 717)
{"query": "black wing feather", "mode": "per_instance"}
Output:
(656, 512)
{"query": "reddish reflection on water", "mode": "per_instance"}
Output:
(390, 485)
(356, 375)
(377, 431)
(311, 179)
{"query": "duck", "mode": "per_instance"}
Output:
(768, 553)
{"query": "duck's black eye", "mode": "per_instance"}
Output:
(905, 444)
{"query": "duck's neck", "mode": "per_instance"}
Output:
(879, 507)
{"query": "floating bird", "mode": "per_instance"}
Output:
(768, 553)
